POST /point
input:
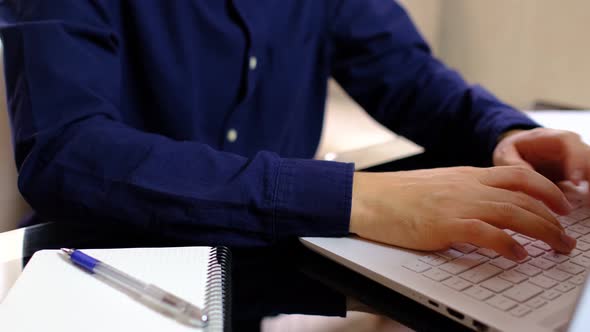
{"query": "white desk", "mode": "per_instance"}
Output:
(576, 121)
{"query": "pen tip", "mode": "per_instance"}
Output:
(67, 251)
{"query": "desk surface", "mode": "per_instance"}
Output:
(276, 288)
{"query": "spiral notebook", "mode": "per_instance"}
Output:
(54, 295)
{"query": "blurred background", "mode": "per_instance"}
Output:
(530, 53)
(526, 52)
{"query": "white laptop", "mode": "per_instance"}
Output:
(580, 320)
(475, 286)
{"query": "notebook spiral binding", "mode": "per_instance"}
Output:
(218, 290)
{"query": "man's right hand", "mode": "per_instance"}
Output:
(432, 209)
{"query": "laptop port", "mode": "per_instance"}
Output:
(432, 303)
(479, 326)
(455, 313)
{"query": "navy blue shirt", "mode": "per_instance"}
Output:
(197, 119)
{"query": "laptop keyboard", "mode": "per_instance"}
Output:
(517, 288)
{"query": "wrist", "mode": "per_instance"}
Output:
(357, 206)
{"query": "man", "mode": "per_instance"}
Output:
(186, 118)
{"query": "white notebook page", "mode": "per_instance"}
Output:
(54, 295)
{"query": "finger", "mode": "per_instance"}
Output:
(485, 235)
(505, 215)
(567, 187)
(517, 178)
(574, 193)
(577, 160)
(521, 200)
(508, 155)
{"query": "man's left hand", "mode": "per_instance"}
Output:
(557, 154)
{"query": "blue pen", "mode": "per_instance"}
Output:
(152, 296)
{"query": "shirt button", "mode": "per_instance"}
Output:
(232, 135)
(253, 63)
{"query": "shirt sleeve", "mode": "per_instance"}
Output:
(385, 65)
(80, 162)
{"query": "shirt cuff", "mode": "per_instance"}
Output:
(312, 198)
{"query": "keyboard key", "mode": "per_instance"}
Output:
(542, 245)
(465, 248)
(585, 222)
(542, 263)
(528, 258)
(433, 260)
(481, 273)
(520, 311)
(551, 294)
(574, 253)
(474, 256)
(584, 246)
(536, 303)
(437, 275)
(527, 237)
(501, 303)
(579, 229)
(585, 238)
(523, 241)
(570, 268)
(464, 263)
(555, 257)
(573, 234)
(543, 281)
(450, 253)
(457, 283)
(509, 231)
(503, 263)
(534, 251)
(564, 288)
(558, 275)
(487, 252)
(496, 285)
(417, 266)
(528, 269)
(523, 292)
(579, 215)
(578, 280)
(581, 260)
(567, 220)
(479, 293)
(513, 276)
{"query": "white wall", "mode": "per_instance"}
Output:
(426, 15)
(521, 50)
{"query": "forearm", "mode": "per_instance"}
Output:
(387, 67)
(459, 123)
(98, 169)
